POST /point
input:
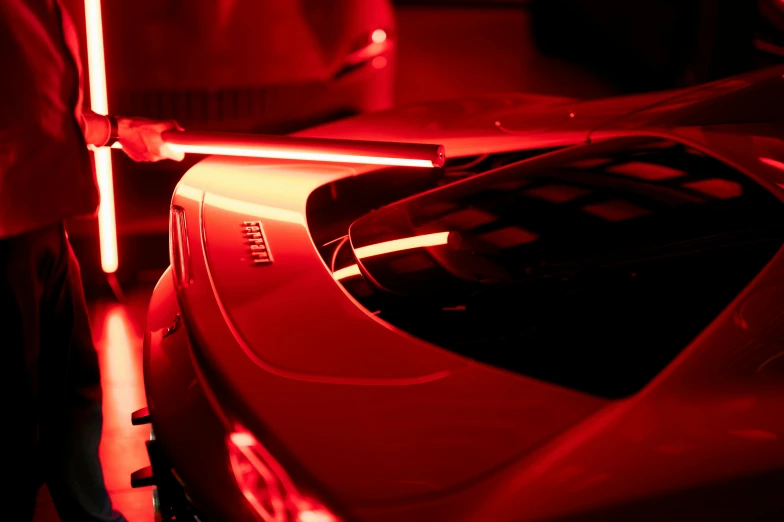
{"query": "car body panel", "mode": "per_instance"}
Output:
(182, 415)
(336, 390)
(387, 426)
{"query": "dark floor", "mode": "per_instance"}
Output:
(117, 331)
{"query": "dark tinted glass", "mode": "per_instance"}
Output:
(591, 268)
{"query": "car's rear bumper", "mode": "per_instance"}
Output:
(188, 454)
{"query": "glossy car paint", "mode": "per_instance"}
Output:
(383, 426)
(174, 393)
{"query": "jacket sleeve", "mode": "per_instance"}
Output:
(96, 128)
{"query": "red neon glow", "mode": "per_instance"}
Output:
(379, 36)
(242, 439)
(379, 62)
(107, 228)
(266, 486)
(773, 163)
(717, 187)
(315, 515)
(343, 273)
(121, 363)
(257, 482)
(264, 152)
(407, 243)
(379, 43)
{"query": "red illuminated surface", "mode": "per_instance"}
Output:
(242, 439)
(300, 148)
(718, 188)
(545, 451)
(397, 245)
(773, 163)
(285, 225)
(263, 152)
(343, 273)
(379, 62)
(379, 36)
(380, 44)
(263, 211)
(179, 253)
(266, 486)
(646, 171)
(103, 157)
(506, 411)
(118, 338)
(615, 210)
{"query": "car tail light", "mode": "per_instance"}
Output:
(179, 251)
(267, 487)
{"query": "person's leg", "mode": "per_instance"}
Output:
(24, 264)
(73, 469)
(72, 432)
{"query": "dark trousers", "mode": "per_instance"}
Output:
(50, 380)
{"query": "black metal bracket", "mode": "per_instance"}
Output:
(142, 477)
(140, 417)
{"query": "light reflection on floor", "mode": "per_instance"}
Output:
(117, 331)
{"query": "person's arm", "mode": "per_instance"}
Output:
(141, 139)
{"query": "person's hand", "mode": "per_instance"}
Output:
(141, 139)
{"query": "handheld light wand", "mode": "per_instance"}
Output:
(307, 149)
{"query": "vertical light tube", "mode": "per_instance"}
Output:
(99, 103)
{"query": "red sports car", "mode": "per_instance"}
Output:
(579, 317)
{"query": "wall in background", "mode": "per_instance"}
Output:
(449, 48)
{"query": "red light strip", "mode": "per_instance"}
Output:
(407, 243)
(303, 156)
(272, 484)
(107, 228)
(388, 247)
(308, 149)
(773, 163)
(343, 273)
(378, 45)
(379, 36)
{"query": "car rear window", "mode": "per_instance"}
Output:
(591, 268)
